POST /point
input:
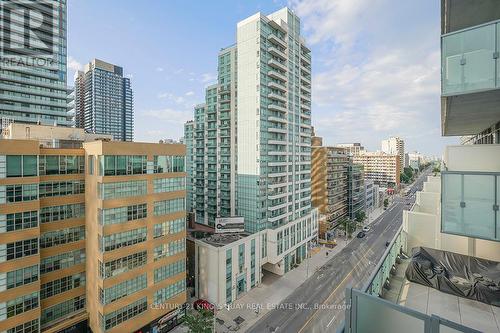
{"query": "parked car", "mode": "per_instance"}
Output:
(360, 234)
(387, 243)
(366, 229)
(202, 304)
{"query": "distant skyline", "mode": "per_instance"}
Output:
(373, 76)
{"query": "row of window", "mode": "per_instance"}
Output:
(61, 164)
(19, 305)
(111, 165)
(164, 272)
(123, 189)
(62, 309)
(121, 239)
(122, 214)
(169, 164)
(64, 212)
(62, 261)
(169, 206)
(119, 316)
(18, 221)
(169, 227)
(18, 277)
(61, 188)
(161, 185)
(121, 265)
(169, 249)
(61, 285)
(21, 165)
(31, 326)
(161, 295)
(122, 289)
(63, 236)
(19, 249)
(21, 192)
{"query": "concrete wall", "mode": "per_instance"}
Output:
(484, 158)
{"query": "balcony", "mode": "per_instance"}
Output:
(470, 79)
(276, 40)
(407, 306)
(278, 65)
(276, 107)
(278, 97)
(470, 204)
(278, 75)
(277, 52)
(278, 86)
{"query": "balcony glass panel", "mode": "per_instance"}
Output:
(467, 60)
(468, 204)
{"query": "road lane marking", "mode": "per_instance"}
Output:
(331, 321)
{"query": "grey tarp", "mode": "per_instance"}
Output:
(456, 274)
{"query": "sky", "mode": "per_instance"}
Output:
(375, 63)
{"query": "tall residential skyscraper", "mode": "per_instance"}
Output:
(258, 167)
(395, 146)
(104, 101)
(33, 71)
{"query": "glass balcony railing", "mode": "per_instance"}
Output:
(365, 307)
(469, 59)
(469, 204)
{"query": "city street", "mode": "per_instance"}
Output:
(319, 302)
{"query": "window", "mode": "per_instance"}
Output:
(19, 221)
(111, 165)
(164, 272)
(169, 249)
(122, 289)
(62, 261)
(122, 214)
(57, 213)
(61, 165)
(19, 305)
(169, 227)
(241, 257)
(18, 277)
(121, 265)
(62, 309)
(61, 285)
(122, 239)
(119, 316)
(21, 165)
(172, 290)
(31, 326)
(123, 189)
(169, 206)
(63, 236)
(169, 164)
(62, 188)
(169, 184)
(18, 193)
(15, 250)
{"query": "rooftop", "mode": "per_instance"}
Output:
(217, 240)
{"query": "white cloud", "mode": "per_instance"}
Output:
(74, 65)
(376, 68)
(160, 69)
(207, 77)
(189, 93)
(169, 115)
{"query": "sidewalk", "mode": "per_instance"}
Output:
(273, 290)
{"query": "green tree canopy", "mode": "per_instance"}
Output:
(199, 321)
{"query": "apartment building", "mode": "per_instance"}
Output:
(329, 184)
(104, 100)
(382, 168)
(259, 167)
(352, 148)
(355, 190)
(370, 195)
(395, 146)
(212, 136)
(457, 210)
(33, 73)
(92, 232)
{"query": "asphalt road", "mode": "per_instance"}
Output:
(318, 304)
